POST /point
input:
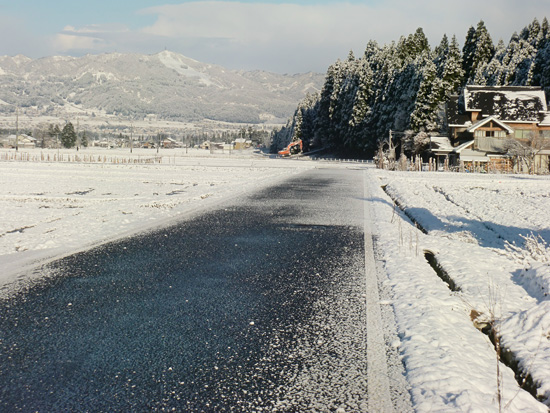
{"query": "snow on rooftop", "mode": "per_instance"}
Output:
(546, 119)
(441, 143)
(506, 102)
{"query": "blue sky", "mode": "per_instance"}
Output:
(281, 36)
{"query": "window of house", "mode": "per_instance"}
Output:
(522, 133)
(489, 134)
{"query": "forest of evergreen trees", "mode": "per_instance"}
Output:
(402, 87)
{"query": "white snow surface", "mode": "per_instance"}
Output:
(50, 209)
(175, 62)
(476, 227)
(490, 233)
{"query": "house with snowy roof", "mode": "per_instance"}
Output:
(485, 121)
(22, 141)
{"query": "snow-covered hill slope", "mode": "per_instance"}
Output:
(167, 84)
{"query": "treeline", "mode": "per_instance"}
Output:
(402, 86)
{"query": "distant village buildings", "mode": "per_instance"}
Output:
(22, 141)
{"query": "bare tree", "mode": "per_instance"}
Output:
(421, 143)
(525, 151)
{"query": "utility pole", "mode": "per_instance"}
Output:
(158, 142)
(16, 128)
(391, 154)
(77, 133)
(131, 137)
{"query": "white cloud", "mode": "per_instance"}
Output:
(281, 37)
(68, 42)
(93, 38)
(302, 37)
(97, 29)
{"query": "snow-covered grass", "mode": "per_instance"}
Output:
(489, 233)
(48, 209)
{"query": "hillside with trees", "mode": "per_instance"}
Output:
(165, 85)
(402, 87)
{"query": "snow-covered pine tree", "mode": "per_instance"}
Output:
(440, 55)
(355, 138)
(545, 29)
(477, 53)
(453, 74)
(310, 110)
(541, 71)
(341, 101)
(541, 67)
(84, 139)
(68, 135)
(324, 115)
(519, 57)
(468, 52)
(371, 51)
(299, 118)
(485, 51)
(420, 42)
(430, 94)
(533, 34)
(495, 71)
(360, 109)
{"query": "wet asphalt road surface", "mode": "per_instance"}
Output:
(255, 306)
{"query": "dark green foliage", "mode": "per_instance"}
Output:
(430, 95)
(477, 52)
(68, 135)
(84, 140)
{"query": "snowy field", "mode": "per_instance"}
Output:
(49, 209)
(490, 235)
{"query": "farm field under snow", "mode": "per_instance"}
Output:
(48, 209)
(489, 233)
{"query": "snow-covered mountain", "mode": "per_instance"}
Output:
(166, 84)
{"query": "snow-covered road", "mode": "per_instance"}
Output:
(259, 304)
(489, 233)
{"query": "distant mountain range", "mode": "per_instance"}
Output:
(168, 85)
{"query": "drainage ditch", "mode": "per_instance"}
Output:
(507, 357)
(441, 273)
(402, 209)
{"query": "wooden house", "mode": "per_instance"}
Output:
(485, 121)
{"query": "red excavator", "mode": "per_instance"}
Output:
(292, 149)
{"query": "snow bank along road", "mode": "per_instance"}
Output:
(257, 304)
(490, 235)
